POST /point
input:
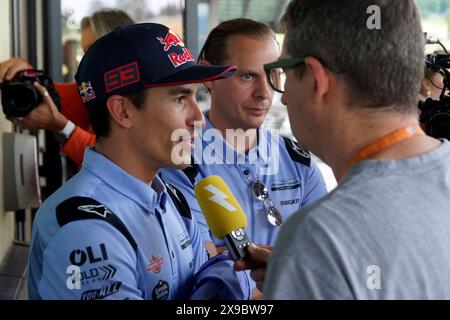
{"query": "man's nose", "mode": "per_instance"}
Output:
(263, 89)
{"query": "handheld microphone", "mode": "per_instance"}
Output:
(223, 214)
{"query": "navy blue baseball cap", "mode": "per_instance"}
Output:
(136, 57)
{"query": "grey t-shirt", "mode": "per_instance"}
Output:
(384, 233)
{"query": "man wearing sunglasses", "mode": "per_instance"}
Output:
(283, 178)
(351, 93)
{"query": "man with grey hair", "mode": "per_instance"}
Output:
(350, 91)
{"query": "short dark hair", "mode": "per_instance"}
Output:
(215, 48)
(100, 118)
(381, 68)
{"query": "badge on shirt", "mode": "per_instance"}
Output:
(284, 185)
(161, 291)
(184, 239)
(155, 264)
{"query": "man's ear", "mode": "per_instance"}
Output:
(321, 78)
(119, 108)
(208, 84)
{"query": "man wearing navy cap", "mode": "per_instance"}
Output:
(116, 231)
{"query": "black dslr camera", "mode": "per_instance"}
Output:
(438, 60)
(435, 114)
(19, 95)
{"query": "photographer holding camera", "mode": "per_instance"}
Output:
(435, 108)
(30, 98)
(431, 86)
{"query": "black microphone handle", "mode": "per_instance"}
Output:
(237, 242)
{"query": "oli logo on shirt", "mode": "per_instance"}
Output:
(80, 257)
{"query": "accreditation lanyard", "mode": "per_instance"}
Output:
(388, 140)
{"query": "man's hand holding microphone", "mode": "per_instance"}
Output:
(227, 221)
(256, 261)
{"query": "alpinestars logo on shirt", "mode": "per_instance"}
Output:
(98, 210)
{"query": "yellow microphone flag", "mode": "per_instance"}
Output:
(222, 212)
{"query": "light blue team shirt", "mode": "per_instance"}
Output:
(107, 235)
(292, 178)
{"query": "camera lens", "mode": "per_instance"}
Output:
(19, 99)
(22, 96)
(439, 125)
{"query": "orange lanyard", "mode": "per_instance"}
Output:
(387, 141)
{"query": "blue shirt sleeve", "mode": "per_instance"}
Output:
(315, 187)
(215, 279)
(88, 260)
(180, 181)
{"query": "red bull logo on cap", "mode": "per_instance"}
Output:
(180, 59)
(170, 40)
(173, 40)
(86, 91)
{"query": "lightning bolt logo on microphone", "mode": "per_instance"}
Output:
(223, 214)
(222, 211)
(219, 197)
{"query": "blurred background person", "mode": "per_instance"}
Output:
(431, 85)
(70, 124)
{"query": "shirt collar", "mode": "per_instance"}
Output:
(264, 137)
(150, 197)
(161, 193)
